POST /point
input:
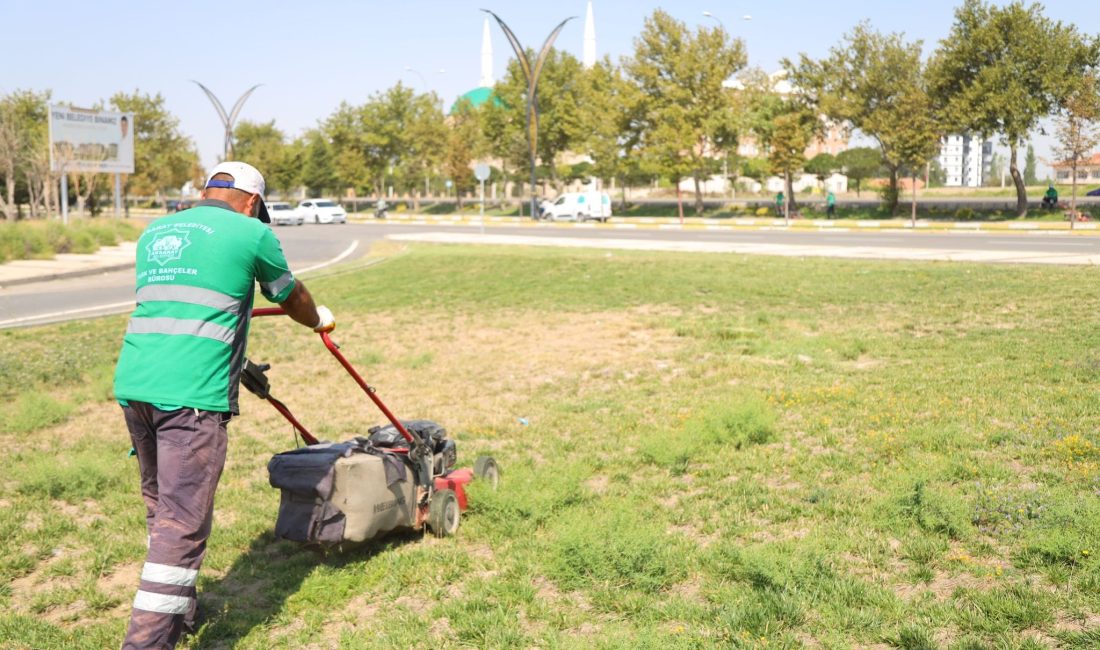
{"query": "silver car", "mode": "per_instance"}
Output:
(283, 215)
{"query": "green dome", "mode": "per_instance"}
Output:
(476, 97)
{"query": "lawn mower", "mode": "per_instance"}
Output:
(399, 476)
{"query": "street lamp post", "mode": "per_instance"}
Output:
(228, 119)
(531, 74)
(720, 23)
(417, 73)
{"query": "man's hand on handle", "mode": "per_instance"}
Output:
(301, 308)
(326, 322)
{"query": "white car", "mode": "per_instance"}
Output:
(283, 215)
(322, 211)
(579, 207)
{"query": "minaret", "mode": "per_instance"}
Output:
(486, 57)
(589, 38)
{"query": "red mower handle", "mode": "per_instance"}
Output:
(369, 390)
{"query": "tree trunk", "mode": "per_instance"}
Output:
(9, 204)
(1073, 196)
(1018, 180)
(680, 201)
(698, 195)
(913, 212)
(787, 202)
(792, 205)
(892, 199)
(416, 201)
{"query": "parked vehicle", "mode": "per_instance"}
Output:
(322, 211)
(283, 215)
(179, 205)
(579, 207)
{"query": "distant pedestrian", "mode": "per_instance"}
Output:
(1050, 199)
(779, 199)
(830, 205)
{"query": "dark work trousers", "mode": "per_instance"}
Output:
(180, 455)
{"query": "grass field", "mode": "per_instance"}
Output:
(715, 451)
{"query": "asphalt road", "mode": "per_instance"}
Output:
(308, 246)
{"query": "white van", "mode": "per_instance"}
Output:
(579, 207)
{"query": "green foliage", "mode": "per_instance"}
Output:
(164, 158)
(562, 96)
(859, 164)
(41, 240)
(613, 548)
(32, 411)
(1002, 69)
(263, 146)
(392, 139)
(684, 114)
(822, 166)
(1030, 165)
(935, 512)
(875, 83)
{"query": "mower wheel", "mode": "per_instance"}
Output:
(443, 513)
(485, 467)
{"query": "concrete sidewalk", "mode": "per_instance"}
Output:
(68, 265)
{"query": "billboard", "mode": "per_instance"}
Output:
(83, 140)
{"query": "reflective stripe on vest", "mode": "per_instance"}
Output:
(276, 286)
(169, 575)
(180, 326)
(161, 603)
(189, 295)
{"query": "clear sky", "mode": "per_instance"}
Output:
(310, 56)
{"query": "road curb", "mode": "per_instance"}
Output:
(62, 275)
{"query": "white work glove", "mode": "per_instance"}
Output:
(326, 322)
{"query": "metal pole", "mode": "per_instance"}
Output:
(531, 74)
(118, 196)
(483, 206)
(64, 198)
(228, 118)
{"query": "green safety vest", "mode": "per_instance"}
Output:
(196, 275)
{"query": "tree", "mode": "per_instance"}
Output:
(560, 95)
(609, 107)
(1030, 176)
(822, 166)
(1078, 132)
(259, 144)
(996, 169)
(859, 164)
(318, 163)
(786, 151)
(461, 147)
(425, 129)
(163, 157)
(24, 151)
(863, 82)
(685, 119)
(914, 143)
(1001, 69)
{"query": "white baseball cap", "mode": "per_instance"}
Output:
(245, 178)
